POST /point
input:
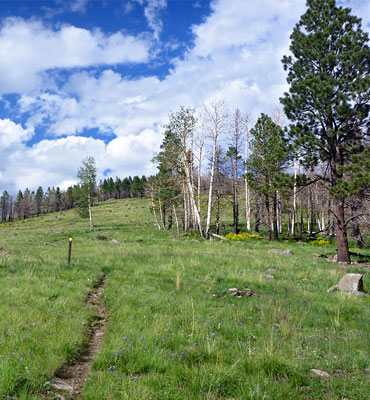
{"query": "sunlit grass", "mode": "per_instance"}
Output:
(166, 340)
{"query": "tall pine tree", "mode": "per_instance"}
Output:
(328, 99)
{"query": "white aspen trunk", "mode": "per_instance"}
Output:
(176, 220)
(153, 207)
(191, 196)
(319, 223)
(200, 167)
(199, 178)
(161, 213)
(323, 220)
(279, 217)
(211, 187)
(294, 216)
(247, 194)
(193, 218)
(90, 213)
(185, 209)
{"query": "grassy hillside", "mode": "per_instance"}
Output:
(161, 343)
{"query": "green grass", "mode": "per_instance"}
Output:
(196, 343)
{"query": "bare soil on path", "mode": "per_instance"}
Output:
(70, 378)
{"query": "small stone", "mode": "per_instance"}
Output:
(321, 374)
(301, 242)
(61, 385)
(231, 290)
(59, 233)
(271, 270)
(114, 241)
(287, 252)
(12, 234)
(270, 277)
(275, 251)
(351, 283)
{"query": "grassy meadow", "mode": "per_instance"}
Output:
(160, 343)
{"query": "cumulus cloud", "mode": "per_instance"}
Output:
(29, 47)
(152, 10)
(236, 55)
(45, 162)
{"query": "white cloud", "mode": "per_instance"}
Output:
(236, 55)
(29, 47)
(78, 5)
(55, 162)
(152, 9)
(11, 134)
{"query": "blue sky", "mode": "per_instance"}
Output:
(99, 78)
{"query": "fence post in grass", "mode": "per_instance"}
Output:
(70, 250)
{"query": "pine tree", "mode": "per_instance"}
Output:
(4, 205)
(39, 197)
(328, 99)
(269, 157)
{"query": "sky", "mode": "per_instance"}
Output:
(99, 78)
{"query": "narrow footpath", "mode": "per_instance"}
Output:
(69, 380)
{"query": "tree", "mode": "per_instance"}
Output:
(4, 205)
(39, 197)
(87, 176)
(234, 155)
(18, 206)
(270, 152)
(27, 203)
(328, 99)
(216, 115)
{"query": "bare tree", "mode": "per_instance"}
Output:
(247, 121)
(236, 139)
(216, 114)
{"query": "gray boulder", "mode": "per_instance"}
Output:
(350, 284)
(287, 252)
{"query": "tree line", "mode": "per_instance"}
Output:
(30, 203)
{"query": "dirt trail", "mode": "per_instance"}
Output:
(68, 381)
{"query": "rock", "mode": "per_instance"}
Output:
(321, 374)
(234, 292)
(270, 277)
(100, 236)
(334, 258)
(114, 241)
(271, 270)
(12, 234)
(351, 283)
(287, 252)
(61, 385)
(275, 251)
(301, 242)
(59, 233)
